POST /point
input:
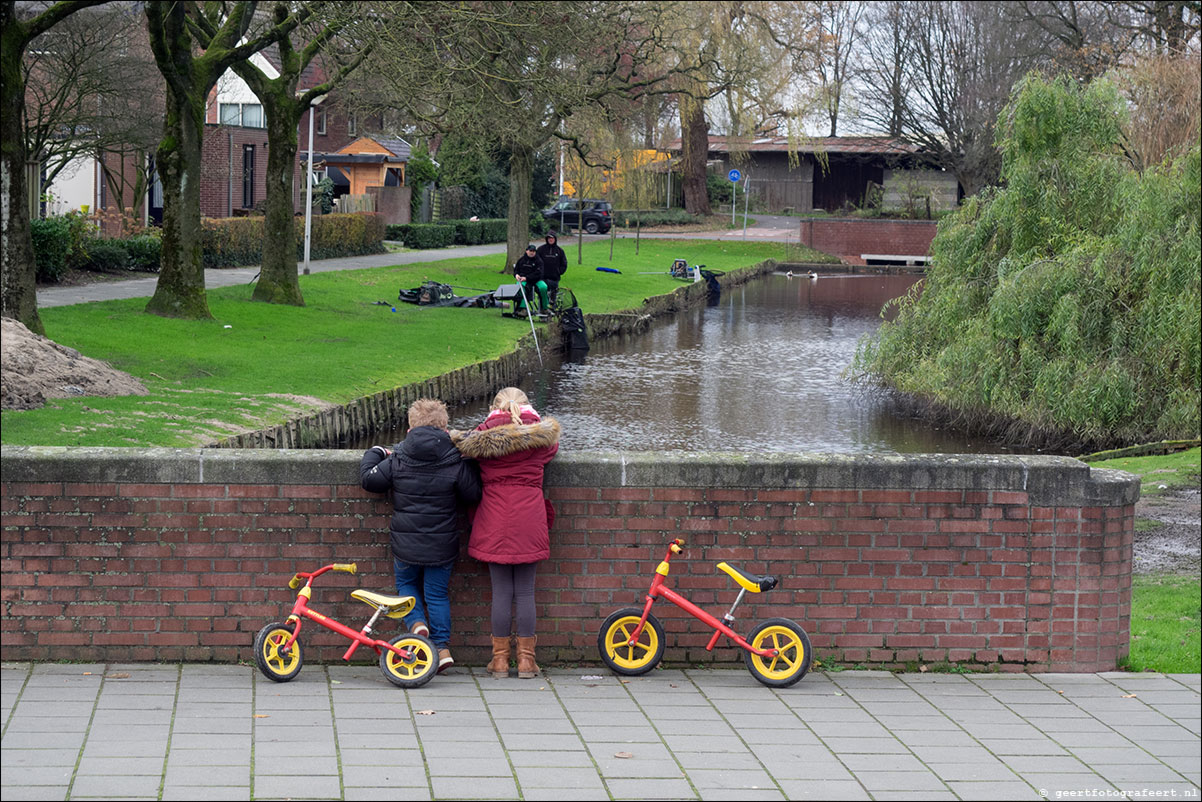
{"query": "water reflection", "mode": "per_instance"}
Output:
(759, 372)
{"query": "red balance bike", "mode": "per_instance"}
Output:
(408, 660)
(777, 652)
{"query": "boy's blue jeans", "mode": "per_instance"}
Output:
(429, 585)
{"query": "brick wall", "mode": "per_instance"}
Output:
(849, 238)
(1014, 563)
(221, 179)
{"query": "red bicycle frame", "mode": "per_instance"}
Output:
(659, 590)
(301, 610)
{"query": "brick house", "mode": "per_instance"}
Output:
(234, 155)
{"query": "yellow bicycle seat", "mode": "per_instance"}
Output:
(391, 606)
(750, 582)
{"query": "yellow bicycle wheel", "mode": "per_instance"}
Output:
(792, 660)
(415, 672)
(623, 657)
(273, 660)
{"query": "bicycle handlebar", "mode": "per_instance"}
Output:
(346, 568)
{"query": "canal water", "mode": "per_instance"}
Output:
(762, 370)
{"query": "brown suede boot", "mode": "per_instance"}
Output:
(499, 667)
(527, 668)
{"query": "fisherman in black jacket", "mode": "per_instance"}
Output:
(555, 263)
(429, 480)
(529, 270)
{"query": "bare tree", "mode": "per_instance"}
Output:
(1081, 37)
(947, 70)
(190, 74)
(839, 26)
(512, 73)
(18, 283)
(1168, 26)
(882, 66)
(284, 108)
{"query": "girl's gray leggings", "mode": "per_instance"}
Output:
(512, 584)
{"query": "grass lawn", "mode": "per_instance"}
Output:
(1159, 473)
(1165, 621)
(1165, 609)
(257, 365)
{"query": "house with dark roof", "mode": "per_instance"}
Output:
(831, 173)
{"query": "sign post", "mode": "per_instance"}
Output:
(734, 176)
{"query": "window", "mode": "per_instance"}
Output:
(252, 115)
(352, 124)
(321, 122)
(247, 115)
(248, 176)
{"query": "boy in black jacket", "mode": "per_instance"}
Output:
(529, 270)
(429, 480)
(555, 263)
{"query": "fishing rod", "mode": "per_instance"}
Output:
(533, 331)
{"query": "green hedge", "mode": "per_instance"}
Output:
(140, 253)
(422, 235)
(627, 218)
(237, 241)
(464, 232)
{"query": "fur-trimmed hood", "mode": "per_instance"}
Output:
(510, 438)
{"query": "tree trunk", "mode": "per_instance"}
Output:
(180, 291)
(694, 144)
(521, 176)
(278, 283)
(18, 275)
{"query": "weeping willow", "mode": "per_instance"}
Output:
(1064, 305)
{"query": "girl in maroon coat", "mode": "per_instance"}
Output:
(511, 525)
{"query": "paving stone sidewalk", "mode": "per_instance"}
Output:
(202, 731)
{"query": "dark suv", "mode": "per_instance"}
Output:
(597, 214)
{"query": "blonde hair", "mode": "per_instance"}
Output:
(510, 400)
(428, 412)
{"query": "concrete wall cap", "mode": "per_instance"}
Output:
(1049, 480)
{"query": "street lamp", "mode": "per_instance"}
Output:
(317, 101)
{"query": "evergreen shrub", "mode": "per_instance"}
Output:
(107, 256)
(51, 247)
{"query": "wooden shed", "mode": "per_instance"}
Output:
(369, 162)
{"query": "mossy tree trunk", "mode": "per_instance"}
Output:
(521, 176)
(178, 32)
(694, 149)
(278, 282)
(284, 109)
(18, 274)
(17, 271)
(180, 290)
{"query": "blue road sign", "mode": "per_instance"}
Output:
(734, 176)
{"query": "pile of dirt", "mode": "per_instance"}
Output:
(33, 368)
